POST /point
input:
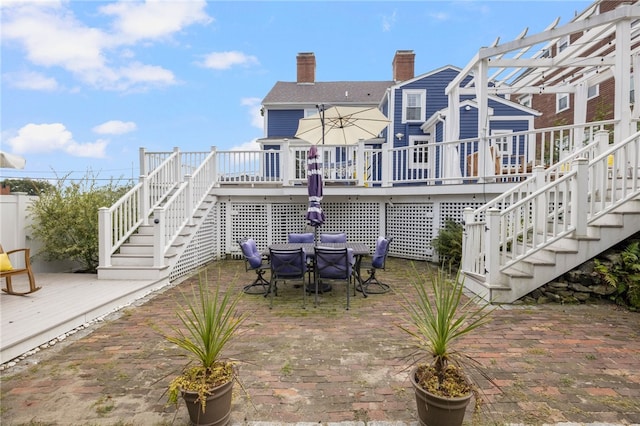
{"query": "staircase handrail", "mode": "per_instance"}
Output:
(551, 173)
(178, 210)
(118, 222)
(567, 204)
(622, 162)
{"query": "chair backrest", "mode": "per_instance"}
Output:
(334, 263)
(380, 255)
(288, 263)
(333, 238)
(306, 237)
(251, 253)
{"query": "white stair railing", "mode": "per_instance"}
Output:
(178, 211)
(517, 225)
(118, 222)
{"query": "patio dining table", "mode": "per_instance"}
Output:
(359, 251)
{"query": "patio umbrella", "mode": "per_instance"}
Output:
(342, 125)
(315, 216)
(11, 161)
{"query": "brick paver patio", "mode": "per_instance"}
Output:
(554, 363)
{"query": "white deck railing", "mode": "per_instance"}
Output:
(555, 202)
(511, 159)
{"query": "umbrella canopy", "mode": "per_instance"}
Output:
(11, 161)
(315, 216)
(341, 125)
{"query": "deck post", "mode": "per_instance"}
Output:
(188, 204)
(387, 164)
(143, 161)
(105, 237)
(579, 200)
(159, 217)
(602, 137)
(492, 247)
(468, 241)
(214, 167)
(360, 166)
(178, 165)
(144, 203)
(286, 163)
(541, 208)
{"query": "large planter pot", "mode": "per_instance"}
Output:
(434, 410)
(217, 409)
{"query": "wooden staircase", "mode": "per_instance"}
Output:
(547, 226)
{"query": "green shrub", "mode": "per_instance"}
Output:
(448, 243)
(65, 219)
(624, 275)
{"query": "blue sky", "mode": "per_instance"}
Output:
(85, 84)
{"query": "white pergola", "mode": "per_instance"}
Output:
(608, 47)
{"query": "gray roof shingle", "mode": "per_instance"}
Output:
(333, 92)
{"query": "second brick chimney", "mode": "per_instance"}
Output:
(306, 67)
(403, 65)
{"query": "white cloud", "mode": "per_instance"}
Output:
(226, 60)
(254, 105)
(115, 127)
(45, 138)
(252, 145)
(53, 37)
(388, 21)
(440, 16)
(154, 19)
(31, 81)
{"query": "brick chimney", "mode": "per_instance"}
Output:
(403, 65)
(306, 67)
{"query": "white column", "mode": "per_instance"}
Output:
(158, 237)
(492, 247)
(104, 237)
(579, 200)
(622, 109)
(482, 97)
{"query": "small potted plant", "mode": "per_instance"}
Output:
(208, 321)
(438, 317)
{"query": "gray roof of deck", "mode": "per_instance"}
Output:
(333, 92)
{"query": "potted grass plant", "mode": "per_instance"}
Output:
(438, 318)
(208, 320)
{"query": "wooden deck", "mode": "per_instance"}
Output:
(65, 302)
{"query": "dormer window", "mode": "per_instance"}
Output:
(414, 102)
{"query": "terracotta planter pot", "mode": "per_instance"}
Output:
(217, 410)
(434, 410)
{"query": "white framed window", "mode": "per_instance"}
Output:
(501, 139)
(563, 43)
(419, 157)
(562, 102)
(526, 100)
(593, 91)
(414, 105)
